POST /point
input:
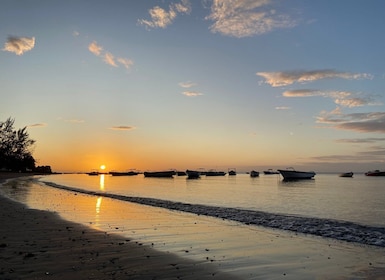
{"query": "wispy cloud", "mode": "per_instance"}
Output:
(279, 79)
(189, 93)
(187, 84)
(19, 45)
(360, 140)
(108, 57)
(127, 63)
(342, 98)
(37, 125)
(243, 18)
(282, 108)
(74, 121)
(359, 122)
(161, 18)
(123, 127)
(192, 93)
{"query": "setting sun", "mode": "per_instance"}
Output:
(102, 167)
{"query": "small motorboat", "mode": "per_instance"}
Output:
(215, 173)
(128, 173)
(346, 174)
(232, 172)
(291, 174)
(160, 174)
(375, 173)
(254, 173)
(193, 174)
(270, 172)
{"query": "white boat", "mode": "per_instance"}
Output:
(292, 174)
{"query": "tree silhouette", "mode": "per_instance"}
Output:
(15, 147)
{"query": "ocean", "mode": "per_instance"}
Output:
(227, 219)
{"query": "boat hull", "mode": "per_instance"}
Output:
(192, 174)
(129, 173)
(160, 174)
(296, 175)
(347, 175)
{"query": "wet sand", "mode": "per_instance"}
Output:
(37, 244)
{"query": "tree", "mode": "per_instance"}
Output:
(15, 147)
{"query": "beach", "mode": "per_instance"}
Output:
(37, 244)
(146, 242)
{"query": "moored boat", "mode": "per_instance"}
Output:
(270, 172)
(346, 174)
(160, 174)
(254, 173)
(292, 174)
(232, 172)
(93, 173)
(193, 174)
(375, 173)
(128, 173)
(215, 173)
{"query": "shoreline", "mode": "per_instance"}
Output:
(35, 244)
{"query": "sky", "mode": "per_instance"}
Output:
(213, 84)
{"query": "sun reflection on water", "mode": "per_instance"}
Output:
(101, 182)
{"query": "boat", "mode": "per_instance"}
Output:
(270, 172)
(128, 173)
(346, 174)
(93, 173)
(181, 173)
(193, 174)
(292, 174)
(215, 173)
(160, 174)
(232, 172)
(254, 173)
(375, 173)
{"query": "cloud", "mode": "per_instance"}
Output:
(108, 57)
(279, 79)
(95, 48)
(127, 63)
(359, 122)
(37, 125)
(342, 98)
(74, 121)
(19, 45)
(191, 93)
(282, 108)
(122, 127)
(160, 18)
(360, 140)
(187, 84)
(244, 18)
(75, 33)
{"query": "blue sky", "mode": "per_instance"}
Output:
(190, 84)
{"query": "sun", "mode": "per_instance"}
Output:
(102, 167)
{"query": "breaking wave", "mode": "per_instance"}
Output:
(340, 230)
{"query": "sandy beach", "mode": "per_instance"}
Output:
(145, 242)
(37, 244)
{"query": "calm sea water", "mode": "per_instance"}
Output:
(360, 199)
